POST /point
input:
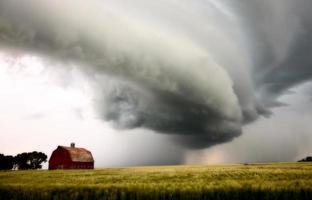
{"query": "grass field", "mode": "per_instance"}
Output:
(259, 181)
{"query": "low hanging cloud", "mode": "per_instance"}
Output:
(195, 69)
(281, 45)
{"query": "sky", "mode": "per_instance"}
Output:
(145, 82)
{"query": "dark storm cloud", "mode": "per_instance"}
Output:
(198, 70)
(196, 125)
(296, 68)
(281, 40)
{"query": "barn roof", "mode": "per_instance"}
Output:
(79, 154)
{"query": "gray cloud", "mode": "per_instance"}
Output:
(284, 137)
(281, 42)
(196, 70)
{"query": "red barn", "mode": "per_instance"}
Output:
(71, 158)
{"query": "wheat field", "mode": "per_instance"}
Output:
(256, 181)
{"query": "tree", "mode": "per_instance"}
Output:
(31, 160)
(21, 161)
(6, 162)
(307, 159)
(36, 159)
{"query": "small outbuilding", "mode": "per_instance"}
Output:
(71, 158)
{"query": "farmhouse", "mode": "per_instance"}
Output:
(71, 158)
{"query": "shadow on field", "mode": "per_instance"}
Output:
(150, 194)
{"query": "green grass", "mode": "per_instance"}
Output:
(261, 181)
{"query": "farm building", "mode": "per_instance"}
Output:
(71, 158)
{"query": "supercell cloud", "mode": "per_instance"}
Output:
(198, 70)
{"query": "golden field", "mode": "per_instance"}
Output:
(254, 181)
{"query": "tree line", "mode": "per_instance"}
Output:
(307, 159)
(23, 161)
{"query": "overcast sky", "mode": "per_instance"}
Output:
(145, 82)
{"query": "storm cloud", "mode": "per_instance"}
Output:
(281, 45)
(198, 70)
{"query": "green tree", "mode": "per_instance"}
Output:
(6, 162)
(30, 160)
(21, 161)
(36, 159)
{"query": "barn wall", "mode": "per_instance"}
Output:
(82, 165)
(59, 159)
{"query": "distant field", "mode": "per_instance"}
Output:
(261, 181)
